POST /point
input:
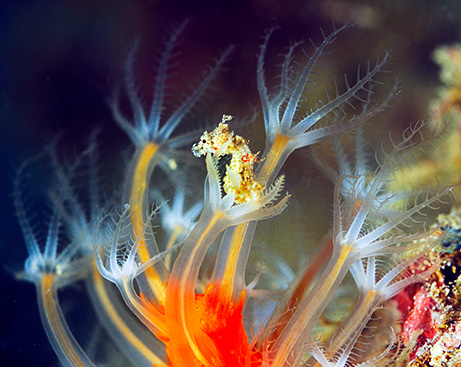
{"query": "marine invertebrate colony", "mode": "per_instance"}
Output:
(186, 301)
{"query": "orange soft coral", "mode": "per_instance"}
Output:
(222, 324)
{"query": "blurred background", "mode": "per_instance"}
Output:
(60, 62)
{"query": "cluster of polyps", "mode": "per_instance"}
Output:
(174, 312)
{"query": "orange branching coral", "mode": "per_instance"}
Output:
(222, 326)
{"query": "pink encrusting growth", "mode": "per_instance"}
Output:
(419, 321)
(429, 309)
(183, 295)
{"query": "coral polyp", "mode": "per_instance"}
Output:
(172, 274)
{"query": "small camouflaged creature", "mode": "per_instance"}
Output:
(235, 161)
